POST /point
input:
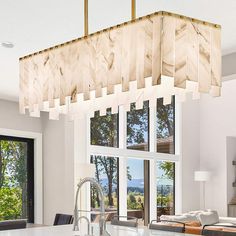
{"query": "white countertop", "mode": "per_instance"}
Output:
(67, 231)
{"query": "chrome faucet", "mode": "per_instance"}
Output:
(102, 225)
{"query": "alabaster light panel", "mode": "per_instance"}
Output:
(159, 55)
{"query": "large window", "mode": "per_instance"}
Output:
(136, 138)
(16, 179)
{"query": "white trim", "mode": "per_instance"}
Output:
(153, 163)
(153, 129)
(122, 163)
(118, 152)
(122, 128)
(88, 189)
(81, 156)
(38, 168)
(178, 165)
(153, 187)
(123, 186)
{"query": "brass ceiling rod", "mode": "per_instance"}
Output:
(86, 30)
(133, 14)
(133, 9)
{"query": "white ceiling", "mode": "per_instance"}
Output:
(33, 25)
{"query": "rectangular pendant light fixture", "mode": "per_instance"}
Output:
(159, 55)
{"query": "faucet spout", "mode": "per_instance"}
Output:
(86, 218)
(102, 230)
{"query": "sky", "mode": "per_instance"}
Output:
(136, 169)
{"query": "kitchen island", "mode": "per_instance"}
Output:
(67, 231)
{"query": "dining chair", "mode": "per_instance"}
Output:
(12, 224)
(63, 219)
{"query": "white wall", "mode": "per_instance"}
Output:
(231, 171)
(190, 154)
(58, 154)
(217, 121)
(10, 118)
(228, 64)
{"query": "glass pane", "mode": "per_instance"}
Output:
(107, 175)
(165, 188)
(165, 127)
(137, 128)
(13, 180)
(135, 188)
(104, 129)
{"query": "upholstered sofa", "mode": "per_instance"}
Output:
(197, 222)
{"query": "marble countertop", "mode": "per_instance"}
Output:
(67, 231)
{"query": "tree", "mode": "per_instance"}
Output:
(104, 130)
(168, 168)
(137, 124)
(107, 166)
(132, 198)
(165, 118)
(13, 179)
(10, 203)
(2, 164)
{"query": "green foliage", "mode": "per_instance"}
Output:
(13, 178)
(105, 166)
(129, 177)
(137, 124)
(13, 170)
(104, 129)
(165, 119)
(169, 169)
(10, 203)
(135, 201)
(165, 201)
(132, 198)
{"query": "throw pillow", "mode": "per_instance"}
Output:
(208, 218)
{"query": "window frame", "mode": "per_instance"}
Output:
(123, 153)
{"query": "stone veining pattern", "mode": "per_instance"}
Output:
(160, 47)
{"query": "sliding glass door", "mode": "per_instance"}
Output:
(16, 178)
